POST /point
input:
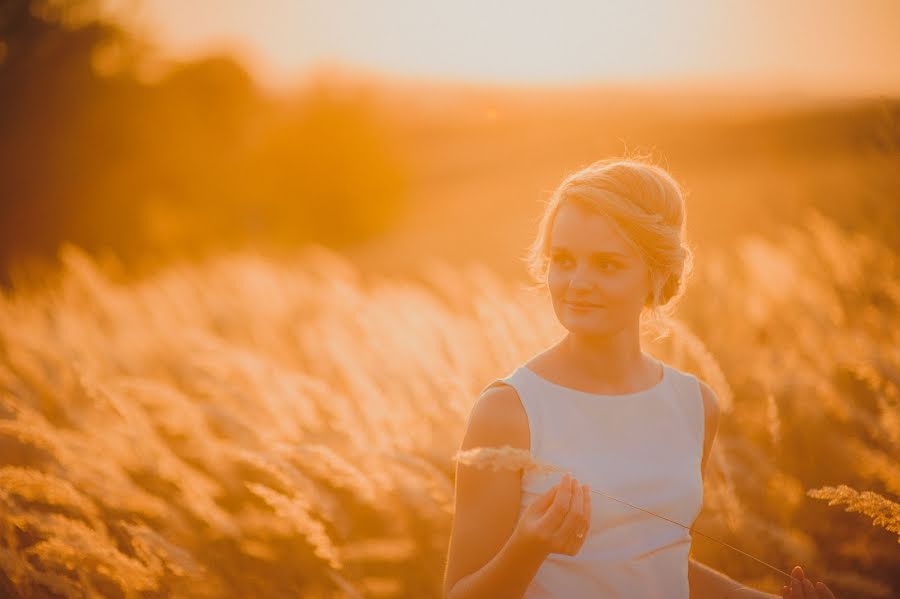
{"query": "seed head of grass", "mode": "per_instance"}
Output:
(503, 458)
(883, 511)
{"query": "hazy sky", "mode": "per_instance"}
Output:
(835, 46)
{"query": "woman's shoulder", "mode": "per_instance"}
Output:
(498, 418)
(710, 400)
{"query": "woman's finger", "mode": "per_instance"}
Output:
(573, 522)
(585, 518)
(587, 507)
(785, 592)
(576, 512)
(544, 500)
(797, 588)
(554, 515)
(824, 591)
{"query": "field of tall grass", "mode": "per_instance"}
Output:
(246, 426)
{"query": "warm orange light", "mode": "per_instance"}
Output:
(811, 45)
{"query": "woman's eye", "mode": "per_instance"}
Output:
(560, 259)
(608, 266)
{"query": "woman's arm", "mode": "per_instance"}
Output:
(707, 583)
(748, 593)
(485, 559)
(507, 574)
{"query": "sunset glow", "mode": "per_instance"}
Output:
(831, 47)
(265, 265)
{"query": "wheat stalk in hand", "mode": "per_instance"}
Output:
(512, 458)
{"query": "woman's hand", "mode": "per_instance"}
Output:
(802, 588)
(558, 521)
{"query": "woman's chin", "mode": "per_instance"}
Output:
(584, 325)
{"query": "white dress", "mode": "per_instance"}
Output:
(644, 448)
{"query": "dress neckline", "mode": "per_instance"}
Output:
(615, 396)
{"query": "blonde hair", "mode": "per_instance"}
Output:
(645, 204)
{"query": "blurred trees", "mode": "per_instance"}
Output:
(194, 161)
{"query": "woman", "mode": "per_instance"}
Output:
(610, 249)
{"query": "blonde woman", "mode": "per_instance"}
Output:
(610, 250)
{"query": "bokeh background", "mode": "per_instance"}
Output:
(258, 259)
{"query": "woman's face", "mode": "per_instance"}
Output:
(591, 263)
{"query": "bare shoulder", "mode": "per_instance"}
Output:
(497, 419)
(486, 502)
(711, 409)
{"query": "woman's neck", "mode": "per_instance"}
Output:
(617, 359)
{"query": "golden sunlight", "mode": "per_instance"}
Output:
(832, 47)
(345, 299)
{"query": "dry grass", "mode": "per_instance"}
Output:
(883, 511)
(245, 427)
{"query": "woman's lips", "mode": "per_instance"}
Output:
(582, 306)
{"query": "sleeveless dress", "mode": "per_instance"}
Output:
(644, 448)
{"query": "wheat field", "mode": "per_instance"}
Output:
(250, 426)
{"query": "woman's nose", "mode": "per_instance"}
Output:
(581, 280)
